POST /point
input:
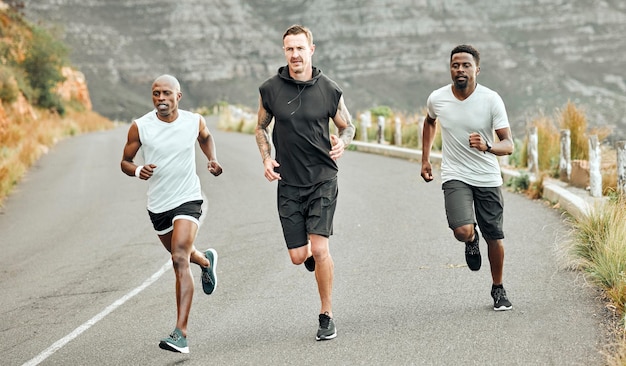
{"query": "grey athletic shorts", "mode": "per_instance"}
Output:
(306, 210)
(163, 222)
(462, 201)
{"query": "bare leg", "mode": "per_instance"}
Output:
(496, 260)
(179, 243)
(464, 233)
(300, 254)
(324, 272)
(318, 246)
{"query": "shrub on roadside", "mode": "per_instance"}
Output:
(8, 86)
(573, 119)
(600, 243)
(43, 62)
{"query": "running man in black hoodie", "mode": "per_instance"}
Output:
(302, 100)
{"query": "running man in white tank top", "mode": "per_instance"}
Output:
(468, 115)
(167, 137)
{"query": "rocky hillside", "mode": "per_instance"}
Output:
(537, 53)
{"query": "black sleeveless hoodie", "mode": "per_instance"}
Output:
(301, 133)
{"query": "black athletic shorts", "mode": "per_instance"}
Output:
(306, 210)
(164, 222)
(462, 201)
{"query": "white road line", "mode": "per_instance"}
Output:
(88, 324)
(65, 340)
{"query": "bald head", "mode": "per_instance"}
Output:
(166, 79)
(165, 96)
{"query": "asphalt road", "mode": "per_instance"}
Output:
(84, 280)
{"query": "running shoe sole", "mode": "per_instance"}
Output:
(173, 348)
(503, 308)
(326, 337)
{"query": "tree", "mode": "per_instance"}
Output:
(43, 63)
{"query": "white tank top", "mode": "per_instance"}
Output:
(171, 147)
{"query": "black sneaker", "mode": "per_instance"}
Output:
(472, 253)
(309, 263)
(500, 301)
(327, 328)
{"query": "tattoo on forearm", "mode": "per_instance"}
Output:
(262, 136)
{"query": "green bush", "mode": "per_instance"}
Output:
(520, 183)
(42, 64)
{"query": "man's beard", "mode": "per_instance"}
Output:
(460, 85)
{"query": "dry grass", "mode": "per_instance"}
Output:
(574, 119)
(609, 170)
(236, 119)
(599, 250)
(25, 139)
(548, 147)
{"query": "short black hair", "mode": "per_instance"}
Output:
(465, 48)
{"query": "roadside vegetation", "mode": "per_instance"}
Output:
(599, 250)
(597, 246)
(26, 139)
(33, 116)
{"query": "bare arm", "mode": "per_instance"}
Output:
(264, 118)
(504, 146)
(207, 145)
(343, 121)
(133, 143)
(428, 136)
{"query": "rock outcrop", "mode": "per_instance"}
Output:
(538, 54)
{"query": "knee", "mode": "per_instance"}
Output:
(297, 256)
(320, 253)
(180, 261)
(464, 233)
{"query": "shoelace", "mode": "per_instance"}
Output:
(324, 320)
(174, 336)
(499, 294)
(205, 277)
(472, 249)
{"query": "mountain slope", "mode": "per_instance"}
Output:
(537, 54)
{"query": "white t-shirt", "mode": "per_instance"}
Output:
(171, 147)
(483, 112)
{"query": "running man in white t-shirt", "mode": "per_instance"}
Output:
(468, 115)
(167, 137)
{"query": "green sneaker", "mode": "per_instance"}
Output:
(175, 342)
(209, 277)
(327, 328)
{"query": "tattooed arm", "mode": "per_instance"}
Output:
(264, 119)
(343, 121)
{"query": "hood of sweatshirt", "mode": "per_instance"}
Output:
(283, 73)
